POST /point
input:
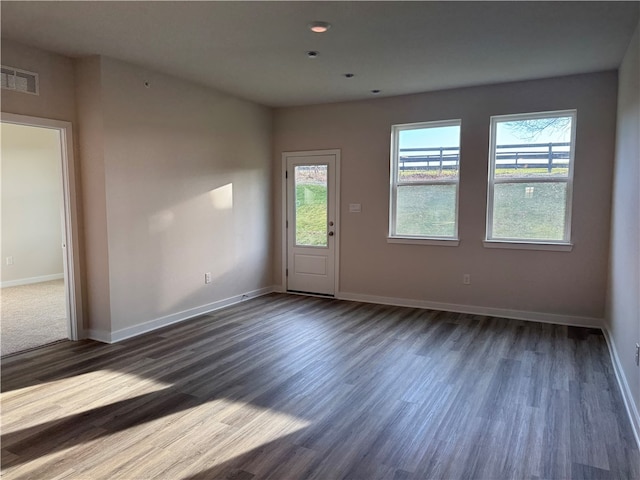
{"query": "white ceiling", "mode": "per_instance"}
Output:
(257, 50)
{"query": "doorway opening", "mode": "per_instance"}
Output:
(38, 273)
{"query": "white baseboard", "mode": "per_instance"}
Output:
(574, 321)
(629, 403)
(135, 330)
(30, 280)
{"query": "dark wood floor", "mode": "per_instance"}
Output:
(289, 387)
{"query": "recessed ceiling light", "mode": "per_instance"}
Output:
(319, 27)
(375, 92)
(312, 54)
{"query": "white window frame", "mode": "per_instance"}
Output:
(394, 184)
(523, 243)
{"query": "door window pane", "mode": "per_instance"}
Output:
(534, 211)
(311, 205)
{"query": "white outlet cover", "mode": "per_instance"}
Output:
(355, 208)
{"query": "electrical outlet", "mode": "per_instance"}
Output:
(466, 279)
(638, 354)
(9, 260)
(207, 277)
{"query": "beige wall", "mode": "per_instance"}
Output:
(31, 203)
(623, 316)
(90, 140)
(571, 284)
(187, 175)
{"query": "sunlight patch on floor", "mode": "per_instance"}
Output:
(56, 399)
(188, 440)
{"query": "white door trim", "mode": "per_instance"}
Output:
(284, 254)
(70, 251)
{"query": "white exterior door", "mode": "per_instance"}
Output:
(311, 221)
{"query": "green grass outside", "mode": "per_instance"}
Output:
(537, 215)
(519, 212)
(425, 175)
(426, 210)
(311, 214)
(408, 175)
(532, 172)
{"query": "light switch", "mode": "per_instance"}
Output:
(355, 208)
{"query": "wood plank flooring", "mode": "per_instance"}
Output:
(288, 387)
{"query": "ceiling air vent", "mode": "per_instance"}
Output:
(19, 80)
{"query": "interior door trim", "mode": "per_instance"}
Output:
(71, 251)
(283, 212)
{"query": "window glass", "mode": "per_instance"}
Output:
(529, 210)
(533, 148)
(311, 205)
(425, 169)
(431, 153)
(531, 167)
(426, 210)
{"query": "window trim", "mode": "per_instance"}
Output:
(519, 245)
(393, 237)
(529, 243)
(415, 240)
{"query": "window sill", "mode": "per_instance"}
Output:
(446, 242)
(552, 247)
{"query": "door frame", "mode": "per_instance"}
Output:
(284, 253)
(70, 247)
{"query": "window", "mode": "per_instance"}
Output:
(530, 178)
(425, 170)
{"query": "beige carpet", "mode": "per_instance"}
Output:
(32, 315)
